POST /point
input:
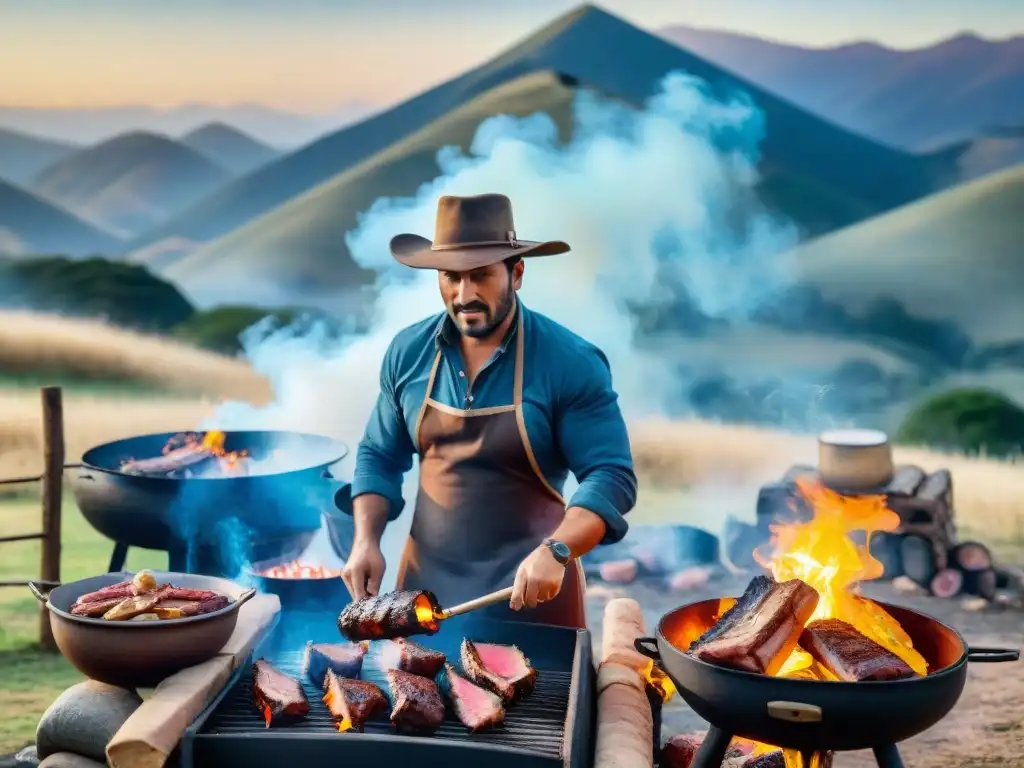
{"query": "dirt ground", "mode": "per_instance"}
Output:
(985, 729)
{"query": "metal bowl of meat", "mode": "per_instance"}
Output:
(728, 659)
(134, 630)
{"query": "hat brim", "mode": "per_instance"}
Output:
(415, 251)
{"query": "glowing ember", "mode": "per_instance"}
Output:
(267, 715)
(297, 570)
(659, 681)
(821, 553)
(425, 612)
(344, 724)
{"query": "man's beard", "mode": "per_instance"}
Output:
(491, 322)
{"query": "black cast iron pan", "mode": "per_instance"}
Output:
(811, 715)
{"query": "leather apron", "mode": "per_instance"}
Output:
(483, 505)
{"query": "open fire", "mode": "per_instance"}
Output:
(299, 570)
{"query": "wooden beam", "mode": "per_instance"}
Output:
(22, 537)
(20, 480)
(53, 477)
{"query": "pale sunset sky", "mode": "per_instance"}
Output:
(313, 56)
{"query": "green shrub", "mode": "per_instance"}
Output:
(219, 329)
(969, 420)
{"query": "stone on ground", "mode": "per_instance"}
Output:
(83, 719)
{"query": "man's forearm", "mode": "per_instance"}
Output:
(581, 530)
(370, 515)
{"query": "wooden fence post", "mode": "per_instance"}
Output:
(53, 480)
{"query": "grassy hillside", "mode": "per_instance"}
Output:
(22, 155)
(130, 182)
(955, 256)
(618, 60)
(29, 224)
(229, 147)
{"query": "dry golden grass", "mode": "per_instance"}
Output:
(33, 342)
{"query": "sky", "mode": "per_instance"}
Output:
(315, 56)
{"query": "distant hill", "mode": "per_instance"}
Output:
(992, 151)
(802, 153)
(30, 225)
(22, 156)
(917, 99)
(130, 182)
(229, 147)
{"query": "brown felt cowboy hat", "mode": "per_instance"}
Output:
(470, 232)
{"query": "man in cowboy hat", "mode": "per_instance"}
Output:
(500, 404)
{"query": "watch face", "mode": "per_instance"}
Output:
(560, 551)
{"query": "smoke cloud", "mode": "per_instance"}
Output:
(646, 199)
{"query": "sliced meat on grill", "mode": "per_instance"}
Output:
(849, 655)
(393, 614)
(97, 608)
(344, 659)
(174, 460)
(131, 607)
(410, 657)
(352, 702)
(416, 705)
(502, 669)
(197, 595)
(761, 630)
(477, 708)
(119, 591)
(277, 696)
(182, 609)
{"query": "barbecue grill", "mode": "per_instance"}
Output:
(552, 727)
(811, 715)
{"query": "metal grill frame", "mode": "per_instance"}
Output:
(284, 746)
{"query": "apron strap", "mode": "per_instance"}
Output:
(426, 400)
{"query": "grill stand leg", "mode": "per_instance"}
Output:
(888, 756)
(713, 748)
(117, 558)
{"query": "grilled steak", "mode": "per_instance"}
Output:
(276, 695)
(416, 705)
(849, 655)
(344, 659)
(96, 609)
(352, 702)
(499, 668)
(119, 591)
(477, 709)
(393, 614)
(197, 595)
(131, 607)
(761, 630)
(410, 657)
(181, 609)
(174, 460)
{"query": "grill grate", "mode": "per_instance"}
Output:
(536, 724)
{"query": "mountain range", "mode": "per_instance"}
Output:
(917, 99)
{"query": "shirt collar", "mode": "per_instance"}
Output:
(446, 333)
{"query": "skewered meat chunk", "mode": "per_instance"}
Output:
(477, 708)
(410, 657)
(502, 669)
(343, 659)
(352, 702)
(416, 703)
(393, 614)
(849, 655)
(276, 695)
(760, 632)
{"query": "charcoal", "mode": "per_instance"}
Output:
(344, 659)
(391, 615)
(477, 708)
(277, 696)
(849, 655)
(410, 657)
(416, 705)
(760, 632)
(502, 669)
(352, 702)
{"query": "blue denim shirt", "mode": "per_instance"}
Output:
(571, 412)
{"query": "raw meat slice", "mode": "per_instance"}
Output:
(393, 614)
(761, 630)
(344, 659)
(416, 705)
(477, 708)
(502, 669)
(352, 702)
(410, 657)
(277, 696)
(849, 655)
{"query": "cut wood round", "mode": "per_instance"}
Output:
(980, 583)
(918, 556)
(971, 556)
(905, 481)
(947, 583)
(885, 548)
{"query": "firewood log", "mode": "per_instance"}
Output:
(938, 486)
(905, 481)
(980, 583)
(947, 583)
(885, 548)
(918, 556)
(936, 535)
(971, 556)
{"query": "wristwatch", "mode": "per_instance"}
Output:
(559, 551)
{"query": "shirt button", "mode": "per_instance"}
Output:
(462, 374)
(470, 398)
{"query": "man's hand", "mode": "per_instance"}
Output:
(538, 579)
(364, 570)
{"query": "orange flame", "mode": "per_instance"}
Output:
(425, 615)
(659, 681)
(230, 462)
(297, 570)
(344, 724)
(267, 714)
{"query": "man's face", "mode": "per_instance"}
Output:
(478, 301)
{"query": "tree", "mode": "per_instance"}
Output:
(968, 420)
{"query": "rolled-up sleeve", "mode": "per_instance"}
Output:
(592, 436)
(386, 450)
